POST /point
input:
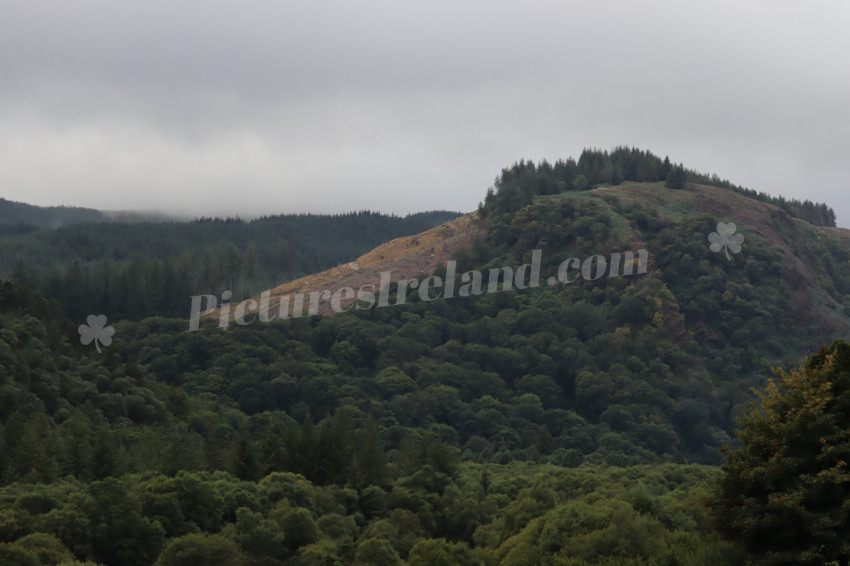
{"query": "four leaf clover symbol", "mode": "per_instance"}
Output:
(726, 239)
(96, 330)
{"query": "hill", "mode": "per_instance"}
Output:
(622, 369)
(673, 351)
(17, 218)
(817, 278)
(576, 416)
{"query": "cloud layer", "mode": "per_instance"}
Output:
(266, 107)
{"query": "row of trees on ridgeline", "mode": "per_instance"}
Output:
(518, 184)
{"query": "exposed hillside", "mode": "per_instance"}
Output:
(403, 258)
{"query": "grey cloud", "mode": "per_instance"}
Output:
(328, 106)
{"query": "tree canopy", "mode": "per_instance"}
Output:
(786, 493)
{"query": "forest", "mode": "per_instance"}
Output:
(595, 167)
(589, 423)
(17, 218)
(140, 269)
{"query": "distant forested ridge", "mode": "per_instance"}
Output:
(133, 270)
(17, 218)
(518, 184)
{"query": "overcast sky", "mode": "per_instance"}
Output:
(251, 108)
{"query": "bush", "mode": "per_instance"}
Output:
(197, 549)
(376, 552)
(47, 548)
(14, 555)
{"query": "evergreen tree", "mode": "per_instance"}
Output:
(580, 183)
(245, 465)
(249, 267)
(666, 166)
(209, 268)
(786, 494)
(676, 178)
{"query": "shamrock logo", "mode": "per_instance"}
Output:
(726, 239)
(96, 330)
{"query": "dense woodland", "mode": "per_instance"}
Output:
(519, 183)
(575, 424)
(17, 218)
(136, 270)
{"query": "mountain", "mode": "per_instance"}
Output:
(649, 366)
(817, 278)
(551, 376)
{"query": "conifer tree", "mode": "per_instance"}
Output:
(676, 178)
(786, 494)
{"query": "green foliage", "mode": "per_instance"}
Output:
(376, 552)
(298, 526)
(426, 518)
(535, 426)
(260, 539)
(442, 553)
(519, 184)
(323, 553)
(580, 182)
(17, 218)
(47, 548)
(676, 178)
(16, 555)
(195, 549)
(785, 494)
(121, 535)
(136, 270)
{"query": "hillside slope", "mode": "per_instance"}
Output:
(814, 257)
(633, 368)
(404, 258)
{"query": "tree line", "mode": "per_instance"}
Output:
(517, 185)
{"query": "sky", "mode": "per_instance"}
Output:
(251, 108)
